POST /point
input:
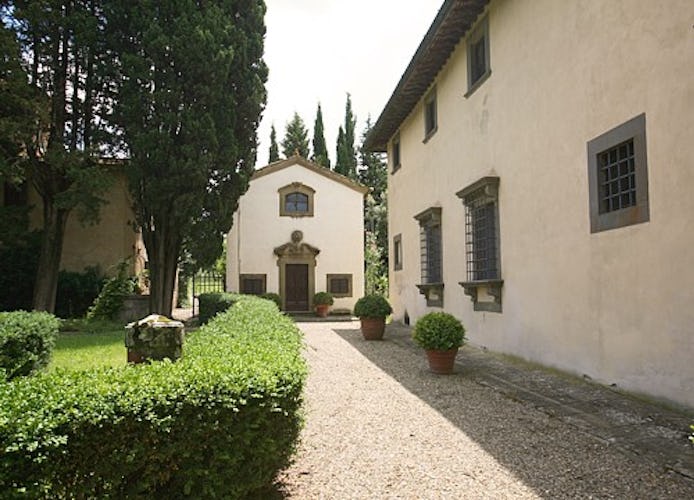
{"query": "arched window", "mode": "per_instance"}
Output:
(296, 203)
(296, 200)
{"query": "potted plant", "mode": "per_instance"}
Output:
(440, 334)
(372, 311)
(322, 302)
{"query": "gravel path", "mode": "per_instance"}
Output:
(379, 425)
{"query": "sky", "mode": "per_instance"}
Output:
(320, 50)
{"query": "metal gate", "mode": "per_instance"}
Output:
(207, 282)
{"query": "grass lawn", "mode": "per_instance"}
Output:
(89, 345)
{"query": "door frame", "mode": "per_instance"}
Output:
(296, 252)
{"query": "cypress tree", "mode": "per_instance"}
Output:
(274, 150)
(295, 138)
(346, 163)
(320, 150)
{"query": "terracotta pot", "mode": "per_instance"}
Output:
(373, 328)
(322, 310)
(441, 362)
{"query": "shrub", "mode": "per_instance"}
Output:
(211, 304)
(274, 298)
(110, 300)
(77, 291)
(439, 331)
(323, 299)
(18, 262)
(219, 423)
(26, 341)
(372, 306)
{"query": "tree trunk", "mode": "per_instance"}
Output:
(163, 246)
(46, 286)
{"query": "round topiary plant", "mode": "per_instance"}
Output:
(439, 331)
(323, 299)
(372, 306)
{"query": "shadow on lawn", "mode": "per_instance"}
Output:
(541, 446)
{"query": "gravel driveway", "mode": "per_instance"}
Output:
(379, 425)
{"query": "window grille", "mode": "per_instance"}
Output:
(617, 176)
(253, 284)
(430, 246)
(340, 285)
(481, 239)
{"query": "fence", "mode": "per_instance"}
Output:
(207, 282)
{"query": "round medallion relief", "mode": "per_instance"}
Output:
(297, 236)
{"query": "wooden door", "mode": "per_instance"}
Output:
(296, 287)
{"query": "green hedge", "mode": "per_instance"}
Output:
(211, 304)
(221, 422)
(26, 342)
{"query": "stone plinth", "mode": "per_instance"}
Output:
(154, 338)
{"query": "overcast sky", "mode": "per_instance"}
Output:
(319, 50)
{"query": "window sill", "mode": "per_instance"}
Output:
(433, 293)
(472, 88)
(492, 289)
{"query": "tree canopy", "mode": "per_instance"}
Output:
(190, 93)
(295, 138)
(56, 126)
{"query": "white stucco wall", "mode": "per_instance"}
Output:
(337, 229)
(615, 305)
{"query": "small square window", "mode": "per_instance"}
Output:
(478, 68)
(618, 176)
(430, 116)
(253, 284)
(339, 285)
(397, 252)
(395, 148)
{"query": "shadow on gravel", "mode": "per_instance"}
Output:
(547, 451)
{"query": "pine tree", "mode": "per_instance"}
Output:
(372, 171)
(346, 163)
(274, 150)
(320, 150)
(295, 138)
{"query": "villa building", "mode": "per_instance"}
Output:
(540, 156)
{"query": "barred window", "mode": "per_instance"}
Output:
(482, 256)
(253, 284)
(431, 259)
(480, 239)
(339, 285)
(618, 176)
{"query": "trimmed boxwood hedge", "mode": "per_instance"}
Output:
(27, 340)
(221, 422)
(214, 303)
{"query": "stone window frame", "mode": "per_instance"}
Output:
(395, 152)
(431, 119)
(397, 252)
(479, 35)
(631, 130)
(430, 288)
(244, 277)
(296, 187)
(484, 190)
(329, 281)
